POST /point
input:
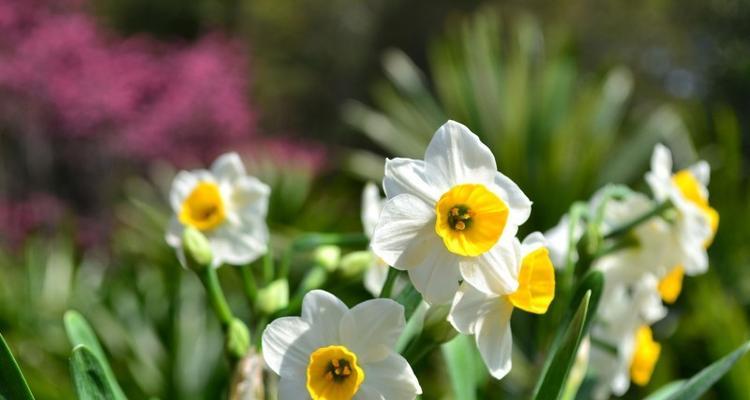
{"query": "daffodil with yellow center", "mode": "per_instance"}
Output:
(470, 219)
(332, 352)
(694, 221)
(203, 209)
(228, 206)
(333, 374)
(645, 355)
(445, 217)
(487, 316)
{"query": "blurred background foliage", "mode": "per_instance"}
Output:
(100, 102)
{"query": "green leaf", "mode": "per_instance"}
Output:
(664, 392)
(80, 333)
(410, 299)
(561, 358)
(465, 368)
(702, 381)
(89, 376)
(12, 383)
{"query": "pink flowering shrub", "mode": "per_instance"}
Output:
(72, 80)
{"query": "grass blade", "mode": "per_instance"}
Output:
(89, 376)
(12, 383)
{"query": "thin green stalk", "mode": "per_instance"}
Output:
(389, 281)
(268, 267)
(248, 283)
(626, 227)
(216, 295)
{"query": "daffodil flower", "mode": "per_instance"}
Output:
(487, 316)
(623, 349)
(332, 352)
(228, 206)
(696, 221)
(445, 217)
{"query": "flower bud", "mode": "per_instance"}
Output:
(327, 256)
(355, 263)
(197, 249)
(247, 381)
(237, 339)
(436, 325)
(273, 297)
(314, 279)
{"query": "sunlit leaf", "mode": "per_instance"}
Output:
(12, 383)
(89, 376)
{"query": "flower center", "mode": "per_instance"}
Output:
(333, 374)
(470, 219)
(203, 209)
(691, 190)
(645, 356)
(536, 283)
(671, 285)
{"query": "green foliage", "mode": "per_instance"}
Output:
(696, 386)
(82, 337)
(560, 359)
(12, 383)
(91, 380)
(465, 367)
(553, 129)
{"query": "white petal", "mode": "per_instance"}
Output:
(436, 278)
(228, 168)
(182, 185)
(494, 339)
(469, 305)
(238, 245)
(493, 272)
(702, 172)
(293, 389)
(371, 328)
(323, 311)
(375, 276)
(286, 347)
(250, 197)
(405, 222)
(389, 379)
(533, 241)
(455, 156)
(661, 161)
(404, 175)
(372, 204)
(518, 203)
(174, 232)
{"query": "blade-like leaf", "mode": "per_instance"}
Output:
(465, 368)
(552, 381)
(89, 376)
(699, 384)
(80, 333)
(666, 391)
(12, 383)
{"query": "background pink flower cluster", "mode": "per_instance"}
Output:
(63, 75)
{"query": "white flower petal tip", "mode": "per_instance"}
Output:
(226, 205)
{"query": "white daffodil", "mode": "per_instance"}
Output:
(226, 205)
(336, 353)
(377, 272)
(695, 222)
(623, 349)
(487, 316)
(445, 216)
(558, 240)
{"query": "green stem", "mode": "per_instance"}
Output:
(248, 283)
(211, 282)
(626, 227)
(268, 267)
(418, 349)
(389, 281)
